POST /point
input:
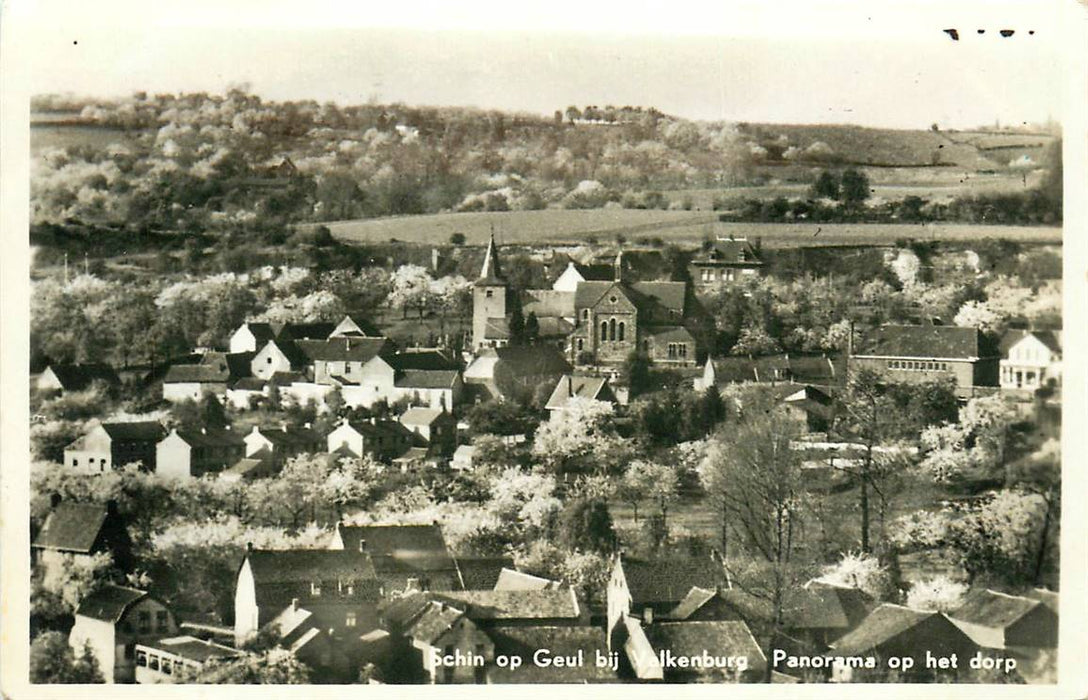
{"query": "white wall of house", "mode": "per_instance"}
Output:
(345, 436)
(240, 398)
(269, 360)
(243, 340)
(173, 457)
(568, 281)
(1030, 363)
(99, 635)
(94, 454)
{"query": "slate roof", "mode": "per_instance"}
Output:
(291, 436)
(1051, 339)
(559, 641)
(950, 342)
(490, 273)
(236, 364)
(426, 378)
(342, 349)
(664, 580)
(820, 605)
(718, 638)
(482, 573)
(212, 438)
(736, 251)
(993, 609)
(422, 360)
(290, 350)
(381, 428)
(421, 416)
(201, 374)
(547, 303)
(691, 603)
(528, 361)
(305, 331)
(665, 334)
(73, 377)
(400, 548)
(277, 573)
(512, 580)
(433, 622)
(553, 327)
(135, 431)
(515, 605)
(285, 378)
(569, 386)
(596, 271)
(248, 467)
(250, 384)
(398, 613)
(671, 295)
(72, 527)
(881, 626)
(109, 602)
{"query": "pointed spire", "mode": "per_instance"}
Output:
(490, 273)
(619, 266)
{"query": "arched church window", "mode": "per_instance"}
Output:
(622, 330)
(604, 330)
(612, 329)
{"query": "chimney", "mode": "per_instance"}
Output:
(54, 500)
(294, 603)
(648, 616)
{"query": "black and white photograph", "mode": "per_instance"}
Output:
(569, 343)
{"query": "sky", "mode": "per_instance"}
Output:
(833, 62)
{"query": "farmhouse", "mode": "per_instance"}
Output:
(276, 445)
(114, 445)
(1031, 359)
(64, 378)
(192, 453)
(570, 386)
(434, 426)
(726, 260)
(215, 372)
(112, 620)
(77, 532)
(381, 439)
(1000, 621)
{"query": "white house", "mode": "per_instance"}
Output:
(1031, 359)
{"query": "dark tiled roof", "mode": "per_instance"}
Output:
(201, 374)
(559, 641)
(136, 431)
(729, 252)
(426, 378)
(212, 438)
(285, 378)
(109, 602)
(421, 416)
(401, 548)
(665, 334)
(602, 272)
(927, 341)
(882, 625)
(398, 613)
(302, 565)
(516, 605)
(482, 573)
(235, 364)
(490, 272)
(553, 327)
(814, 369)
(72, 527)
(423, 360)
(528, 361)
(717, 638)
(433, 622)
(249, 467)
(250, 384)
(291, 436)
(547, 303)
(590, 292)
(290, 350)
(671, 295)
(569, 386)
(381, 428)
(262, 332)
(76, 377)
(692, 602)
(823, 606)
(665, 580)
(993, 609)
(306, 331)
(342, 349)
(1047, 598)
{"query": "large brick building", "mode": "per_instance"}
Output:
(917, 354)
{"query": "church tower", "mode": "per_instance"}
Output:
(488, 297)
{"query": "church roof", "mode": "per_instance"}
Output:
(490, 274)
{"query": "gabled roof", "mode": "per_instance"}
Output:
(422, 360)
(211, 438)
(671, 295)
(261, 331)
(303, 565)
(950, 342)
(547, 303)
(717, 638)
(531, 360)
(553, 327)
(399, 612)
(249, 384)
(881, 626)
(193, 649)
(249, 467)
(75, 376)
(400, 548)
(565, 641)
(993, 608)
(602, 272)
(482, 573)
(290, 435)
(1051, 339)
(421, 416)
(235, 364)
(515, 605)
(285, 378)
(201, 374)
(729, 251)
(342, 349)
(426, 378)
(109, 602)
(348, 326)
(820, 605)
(692, 602)
(1046, 597)
(72, 527)
(305, 331)
(513, 580)
(667, 334)
(289, 349)
(490, 274)
(664, 580)
(380, 428)
(135, 431)
(569, 386)
(433, 622)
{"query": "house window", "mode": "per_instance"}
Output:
(621, 330)
(315, 589)
(585, 314)
(268, 360)
(167, 667)
(349, 620)
(580, 344)
(153, 663)
(141, 658)
(489, 294)
(75, 462)
(145, 621)
(160, 620)
(612, 298)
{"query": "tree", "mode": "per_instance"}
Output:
(411, 288)
(52, 660)
(635, 372)
(574, 439)
(457, 238)
(658, 482)
(862, 571)
(826, 186)
(855, 187)
(586, 525)
(1001, 539)
(938, 592)
(532, 329)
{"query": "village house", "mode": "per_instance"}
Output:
(78, 532)
(278, 444)
(161, 661)
(404, 557)
(379, 438)
(75, 377)
(426, 377)
(114, 445)
(570, 386)
(509, 372)
(576, 273)
(819, 613)
(339, 587)
(809, 406)
(1031, 360)
(815, 370)
(215, 372)
(112, 620)
(720, 639)
(184, 454)
(514, 580)
(482, 573)
(914, 354)
(997, 620)
(652, 588)
(895, 630)
(436, 427)
(726, 260)
(462, 459)
(251, 336)
(340, 360)
(278, 356)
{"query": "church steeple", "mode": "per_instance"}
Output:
(490, 274)
(618, 266)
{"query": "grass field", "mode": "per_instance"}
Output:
(557, 226)
(44, 135)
